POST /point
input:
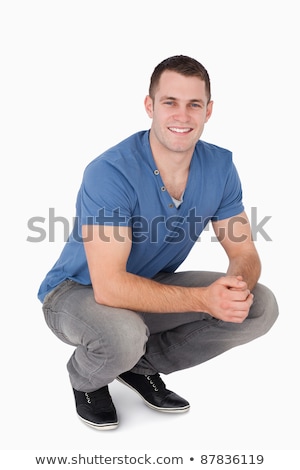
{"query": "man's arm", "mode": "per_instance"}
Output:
(107, 249)
(107, 255)
(235, 236)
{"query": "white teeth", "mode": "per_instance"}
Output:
(181, 131)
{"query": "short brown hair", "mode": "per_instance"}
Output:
(185, 66)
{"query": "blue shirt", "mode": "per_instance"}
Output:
(123, 187)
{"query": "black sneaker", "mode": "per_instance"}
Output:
(154, 393)
(96, 408)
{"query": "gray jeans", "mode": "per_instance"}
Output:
(110, 341)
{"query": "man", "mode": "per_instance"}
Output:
(116, 293)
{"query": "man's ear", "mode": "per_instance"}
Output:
(149, 106)
(209, 109)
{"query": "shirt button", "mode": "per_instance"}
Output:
(163, 188)
(171, 205)
(156, 172)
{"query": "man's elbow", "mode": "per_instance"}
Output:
(103, 298)
(109, 291)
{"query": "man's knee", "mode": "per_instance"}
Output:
(130, 342)
(122, 345)
(264, 307)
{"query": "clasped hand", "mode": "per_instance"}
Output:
(229, 299)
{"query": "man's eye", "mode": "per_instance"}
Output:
(169, 103)
(195, 105)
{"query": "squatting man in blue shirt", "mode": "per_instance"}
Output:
(116, 292)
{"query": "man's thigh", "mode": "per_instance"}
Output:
(75, 317)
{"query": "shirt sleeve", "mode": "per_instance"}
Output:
(106, 197)
(231, 203)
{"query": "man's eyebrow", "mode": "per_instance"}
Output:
(193, 100)
(168, 98)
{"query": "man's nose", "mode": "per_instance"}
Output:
(181, 114)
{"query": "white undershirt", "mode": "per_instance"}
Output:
(177, 202)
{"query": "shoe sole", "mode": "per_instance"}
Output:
(100, 427)
(157, 408)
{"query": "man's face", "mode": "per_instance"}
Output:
(178, 111)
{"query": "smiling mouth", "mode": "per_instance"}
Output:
(180, 130)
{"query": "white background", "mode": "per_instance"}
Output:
(74, 75)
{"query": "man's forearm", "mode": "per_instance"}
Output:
(228, 298)
(247, 266)
(133, 292)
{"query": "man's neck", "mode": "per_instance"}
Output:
(173, 167)
(171, 162)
